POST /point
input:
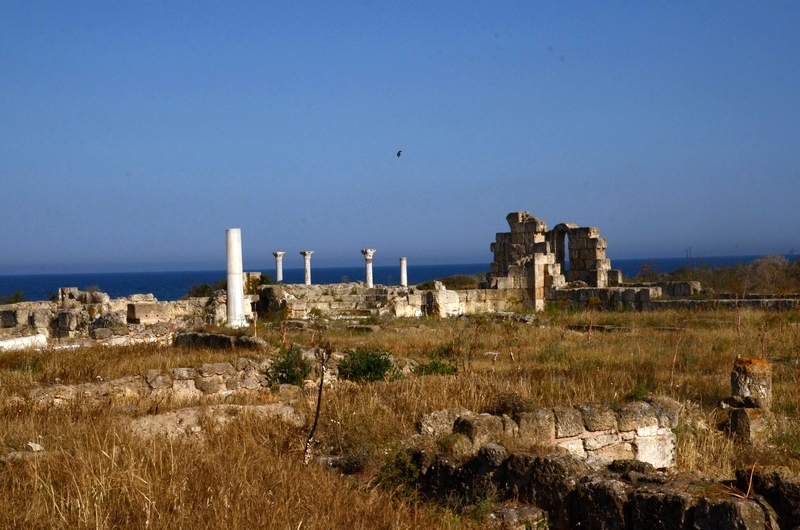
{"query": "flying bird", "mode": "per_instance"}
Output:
(399, 153)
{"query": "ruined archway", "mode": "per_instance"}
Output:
(560, 244)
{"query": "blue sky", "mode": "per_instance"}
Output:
(132, 134)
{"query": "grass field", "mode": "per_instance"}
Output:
(94, 474)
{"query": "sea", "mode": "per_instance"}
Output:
(168, 286)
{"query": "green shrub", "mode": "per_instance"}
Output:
(289, 367)
(13, 298)
(401, 472)
(204, 290)
(436, 367)
(365, 366)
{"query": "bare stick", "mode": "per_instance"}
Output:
(325, 355)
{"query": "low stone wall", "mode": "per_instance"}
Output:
(356, 299)
(641, 430)
(92, 314)
(766, 304)
(633, 298)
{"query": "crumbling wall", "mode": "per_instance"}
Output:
(356, 299)
(593, 432)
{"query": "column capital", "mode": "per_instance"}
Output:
(306, 253)
(279, 254)
(368, 252)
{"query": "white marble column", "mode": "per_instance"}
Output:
(235, 278)
(278, 266)
(307, 265)
(403, 272)
(368, 252)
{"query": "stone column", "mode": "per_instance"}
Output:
(235, 278)
(403, 272)
(278, 266)
(307, 265)
(368, 252)
(751, 379)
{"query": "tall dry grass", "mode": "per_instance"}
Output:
(93, 474)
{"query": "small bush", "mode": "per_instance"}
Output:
(436, 367)
(13, 298)
(289, 367)
(205, 290)
(401, 473)
(365, 366)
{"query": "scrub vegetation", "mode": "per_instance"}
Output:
(94, 473)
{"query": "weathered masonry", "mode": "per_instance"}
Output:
(566, 263)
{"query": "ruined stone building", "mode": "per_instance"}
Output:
(541, 261)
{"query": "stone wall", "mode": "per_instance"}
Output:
(593, 432)
(92, 314)
(356, 299)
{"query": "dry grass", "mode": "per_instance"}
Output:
(251, 474)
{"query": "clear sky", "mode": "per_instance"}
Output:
(132, 134)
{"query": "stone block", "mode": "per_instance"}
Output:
(479, 428)
(597, 416)
(661, 509)
(537, 427)
(741, 514)
(572, 448)
(148, 312)
(609, 453)
(750, 426)
(658, 450)
(666, 410)
(568, 422)
(752, 377)
(594, 443)
(636, 415)
(439, 422)
(601, 504)
(156, 379)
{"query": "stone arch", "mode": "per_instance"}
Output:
(559, 243)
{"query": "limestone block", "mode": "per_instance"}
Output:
(601, 503)
(661, 510)
(492, 455)
(743, 514)
(659, 450)
(156, 379)
(148, 312)
(479, 428)
(184, 374)
(568, 422)
(537, 427)
(752, 377)
(636, 415)
(609, 453)
(750, 426)
(666, 410)
(594, 443)
(572, 448)
(597, 416)
(614, 277)
(184, 390)
(440, 422)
